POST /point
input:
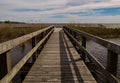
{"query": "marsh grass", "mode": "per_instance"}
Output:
(100, 31)
(8, 33)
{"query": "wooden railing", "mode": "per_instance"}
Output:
(6, 72)
(112, 57)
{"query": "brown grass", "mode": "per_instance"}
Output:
(100, 31)
(8, 32)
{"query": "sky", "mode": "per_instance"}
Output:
(61, 11)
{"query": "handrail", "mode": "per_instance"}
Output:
(19, 65)
(108, 44)
(68, 31)
(5, 46)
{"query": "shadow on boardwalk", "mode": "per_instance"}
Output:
(66, 72)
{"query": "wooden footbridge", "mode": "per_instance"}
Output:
(58, 57)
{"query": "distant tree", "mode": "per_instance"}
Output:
(101, 25)
(7, 21)
(10, 22)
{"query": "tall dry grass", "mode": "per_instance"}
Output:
(100, 31)
(8, 32)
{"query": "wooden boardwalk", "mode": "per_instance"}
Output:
(59, 62)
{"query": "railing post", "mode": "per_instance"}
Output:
(75, 35)
(33, 45)
(43, 34)
(84, 45)
(112, 59)
(5, 64)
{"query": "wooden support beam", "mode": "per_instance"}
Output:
(33, 45)
(9, 76)
(6, 46)
(84, 45)
(112, 59)
(75, 35)
(111, 78)
(5, 64)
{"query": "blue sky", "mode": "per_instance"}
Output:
(78, 11)
(99, 12)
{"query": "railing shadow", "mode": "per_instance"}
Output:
(66, 72)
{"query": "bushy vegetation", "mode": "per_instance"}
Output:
(7, 33)
(100, 31)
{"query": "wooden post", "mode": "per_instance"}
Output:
(84, 45)
(5, 64)
(47, 31)
(43, 34)
(70, 31)
(75, 35)
(33, 45)
(71, 34)
(112, 59)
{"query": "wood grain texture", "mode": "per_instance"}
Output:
(59, 62)
(9, 76)
(5, 46)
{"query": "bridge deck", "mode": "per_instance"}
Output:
(59, 62)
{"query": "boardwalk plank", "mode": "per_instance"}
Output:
(59, 62)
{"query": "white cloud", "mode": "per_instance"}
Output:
(56, 7)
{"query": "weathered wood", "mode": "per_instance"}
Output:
(33, 45)
(112, 59)
(84, 40)
(7, 78)
(5, 64)
(75, 35)
(59, 62)
(5, 46)
(110, 77)
(108, 44)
